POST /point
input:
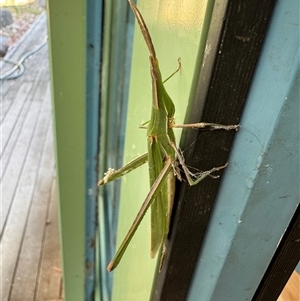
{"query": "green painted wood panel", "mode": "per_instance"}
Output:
(67, 36)
(176, 32)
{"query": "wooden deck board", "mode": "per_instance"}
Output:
(11, 99)
(29, 239)
(28, 262)
(50, 274)
(16, 160)
(16, 222)
(291, 291)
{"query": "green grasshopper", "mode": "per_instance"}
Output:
(163, 159)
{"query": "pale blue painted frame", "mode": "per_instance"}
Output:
(260, 190)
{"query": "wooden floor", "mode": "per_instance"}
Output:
(291, 291)
(29, 239)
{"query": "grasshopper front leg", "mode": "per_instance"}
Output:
(114, 174)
